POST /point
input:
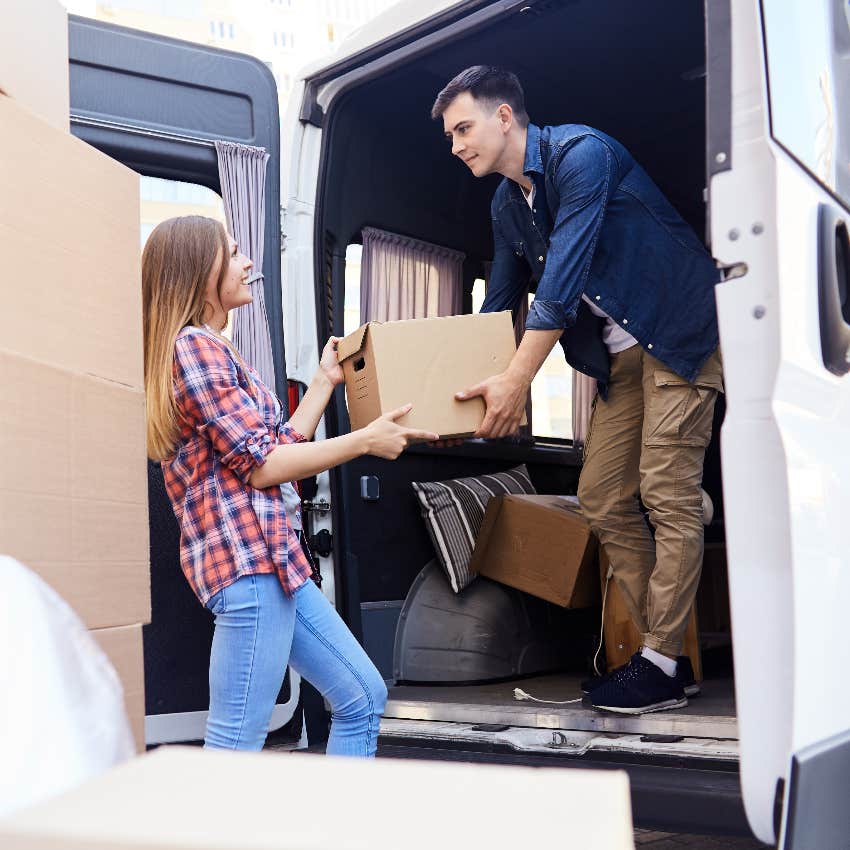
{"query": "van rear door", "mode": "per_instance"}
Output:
(157, 105)
(780, 215)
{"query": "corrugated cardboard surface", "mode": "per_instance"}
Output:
(123, 645)
(179, 797)
(34, 58)
(71, 216)
(541, 545)
(425, 361)
(622, 638)
(73, 495)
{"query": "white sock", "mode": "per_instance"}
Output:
(668, 665)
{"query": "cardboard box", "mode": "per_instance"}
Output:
(34, 59)
(541, 545)
(622, 638)
(71, 214)
(171, 798)
(123, 646)
(425, 361)
(73, 495)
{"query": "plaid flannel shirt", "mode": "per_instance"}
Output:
(227, 527)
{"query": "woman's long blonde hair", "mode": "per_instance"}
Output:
(177, 261)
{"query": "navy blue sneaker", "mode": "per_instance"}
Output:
(684, 673)
(638, 688)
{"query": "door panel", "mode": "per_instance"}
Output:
(786, 473)
(157, 105)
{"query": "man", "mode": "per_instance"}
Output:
(627, 287)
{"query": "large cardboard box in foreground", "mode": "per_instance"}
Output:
(34, 59)
(425, 361)
(171, 798)
(73, 495)
(123, 647)
(541, 545)
(69, 215)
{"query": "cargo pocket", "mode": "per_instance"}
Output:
(680, 413)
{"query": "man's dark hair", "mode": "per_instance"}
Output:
(492, 86)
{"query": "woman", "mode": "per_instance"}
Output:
(227, 459)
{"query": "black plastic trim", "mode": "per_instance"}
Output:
(818, 814)
(718, 102)
(833, 280)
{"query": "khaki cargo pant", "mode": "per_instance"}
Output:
(648, 441)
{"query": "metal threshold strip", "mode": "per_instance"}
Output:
(710, 715)
(437, 734)
(100, 123)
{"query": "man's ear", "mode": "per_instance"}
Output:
(506, 117)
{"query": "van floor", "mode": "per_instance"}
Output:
(709, 715)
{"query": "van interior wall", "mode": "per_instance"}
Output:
(635, 71)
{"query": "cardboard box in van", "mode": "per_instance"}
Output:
(541, 545)
(34, 59)
(425, 361)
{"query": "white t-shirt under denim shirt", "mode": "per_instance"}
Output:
(614, 337)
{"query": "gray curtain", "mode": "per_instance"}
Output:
(403, 278)
(242, 172)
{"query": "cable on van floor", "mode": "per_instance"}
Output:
(520, 694)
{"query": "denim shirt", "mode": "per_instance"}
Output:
(600, 226)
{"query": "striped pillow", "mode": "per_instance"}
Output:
(453, 512)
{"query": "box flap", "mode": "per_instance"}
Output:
(352, 343)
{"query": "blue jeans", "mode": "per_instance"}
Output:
(258, 631)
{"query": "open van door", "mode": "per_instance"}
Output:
(779, 156)
(157, 105)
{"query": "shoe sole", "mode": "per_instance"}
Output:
(690, 691)
(666, 705)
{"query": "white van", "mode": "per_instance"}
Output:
(739, 111)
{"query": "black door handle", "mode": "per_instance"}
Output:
(833, 303)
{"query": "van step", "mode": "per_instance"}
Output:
(553, 741)
(710, 715)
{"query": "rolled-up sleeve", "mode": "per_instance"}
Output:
(212, 400)
(583, 176)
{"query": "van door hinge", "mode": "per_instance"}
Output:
(321, 507)
(282, 228)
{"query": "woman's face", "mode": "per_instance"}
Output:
(235, 290)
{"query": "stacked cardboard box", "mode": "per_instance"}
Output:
(73, 494)
(622, 638)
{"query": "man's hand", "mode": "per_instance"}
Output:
(505, 396)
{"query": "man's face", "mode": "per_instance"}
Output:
(477, 134)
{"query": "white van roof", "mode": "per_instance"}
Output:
(397, 18)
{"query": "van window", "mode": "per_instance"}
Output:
(809, 91)
(551, 389)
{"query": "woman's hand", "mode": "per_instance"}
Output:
(387, 439)
(329, 364)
